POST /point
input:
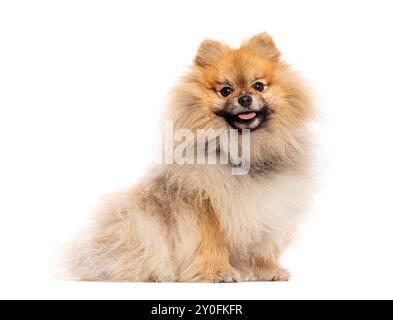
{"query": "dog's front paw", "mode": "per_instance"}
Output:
(223, 276)
(278, 274)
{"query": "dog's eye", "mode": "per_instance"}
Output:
(259, 86)
(226, 91)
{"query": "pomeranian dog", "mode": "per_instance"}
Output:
(192, 223)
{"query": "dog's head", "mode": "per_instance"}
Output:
(246, 88)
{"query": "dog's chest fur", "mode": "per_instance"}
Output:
(259, 208)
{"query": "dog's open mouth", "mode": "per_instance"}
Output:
(246, 120)
(249, 120)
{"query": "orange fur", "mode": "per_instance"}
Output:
(213, 252)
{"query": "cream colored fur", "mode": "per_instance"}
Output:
(126, 243)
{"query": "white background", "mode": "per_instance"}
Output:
(82, 84)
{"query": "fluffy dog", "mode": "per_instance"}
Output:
(200, 222)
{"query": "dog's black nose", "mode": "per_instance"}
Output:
(245, 101)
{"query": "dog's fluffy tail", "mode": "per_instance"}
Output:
(123, 243)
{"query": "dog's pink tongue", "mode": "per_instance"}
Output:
(247, 116)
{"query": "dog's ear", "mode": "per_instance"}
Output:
(209, 52)
(264, 44)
